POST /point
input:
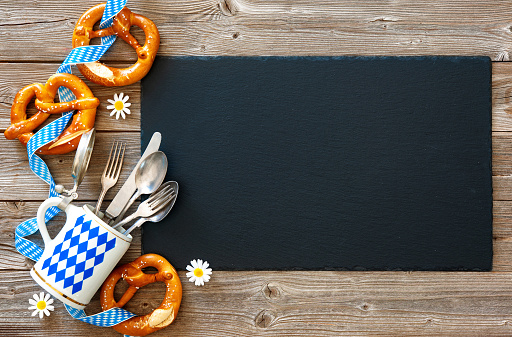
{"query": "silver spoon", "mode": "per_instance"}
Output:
(148, 178)
(160, 214)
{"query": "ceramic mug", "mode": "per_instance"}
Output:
(75, 263)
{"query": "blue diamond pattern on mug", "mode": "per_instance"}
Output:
(83, 248)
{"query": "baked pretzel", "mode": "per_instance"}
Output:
(98, 72)
(22, 128)
(136, 278)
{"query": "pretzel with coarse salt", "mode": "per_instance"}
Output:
(100, 73)
(136, 278)
(22, 127)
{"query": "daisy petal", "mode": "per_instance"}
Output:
(110, 107)
(127, 111)
(35, 312)
(47, 297)
(200, 263)
(193, 263)
(193, 278)
(115, 97)
(41, 314)
(190, 268)
(117, 114)
(50, 301)
(32, 307)
(41, 296)
(113, 112)
(205, 264)
(46, 312)
(111, 101)
(31, 301)
(35, 297)
(120, 96)
(125, 98)
(122, 114)
(190, 274)
(127, 105)
(50, 307)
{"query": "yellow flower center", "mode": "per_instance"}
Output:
(119, 105)
(41, 305)
(198, 272)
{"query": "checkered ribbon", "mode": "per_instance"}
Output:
(26, 247)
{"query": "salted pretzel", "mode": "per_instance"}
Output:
(109, 76)
(136, 278)
(23, 127)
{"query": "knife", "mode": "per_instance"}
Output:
(129, 187)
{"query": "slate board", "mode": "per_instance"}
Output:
(351, 163)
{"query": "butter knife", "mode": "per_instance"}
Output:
(125, 193)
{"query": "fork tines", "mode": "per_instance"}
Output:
(111, 169)
(161, 201)
(158, 194)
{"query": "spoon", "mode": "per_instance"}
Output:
(148, 178)
(160, 214)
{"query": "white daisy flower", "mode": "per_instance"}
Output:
(119, 105)
(199, 272)
(41, 304)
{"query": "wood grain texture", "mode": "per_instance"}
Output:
(60, 166)
(36, 36)
(285, 304)
(41, 31)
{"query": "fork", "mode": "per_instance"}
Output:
(111, 171)
(151, 205)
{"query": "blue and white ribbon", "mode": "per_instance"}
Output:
(26, 247)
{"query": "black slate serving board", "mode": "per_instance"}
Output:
(356, 163)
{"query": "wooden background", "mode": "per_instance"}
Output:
(35, 36)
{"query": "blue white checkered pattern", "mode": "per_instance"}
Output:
(38, 166)
(116, 316)
(73, 260)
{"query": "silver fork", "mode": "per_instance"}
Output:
(150, 206)
(111, 171)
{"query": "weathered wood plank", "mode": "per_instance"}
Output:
(18, 75)
(41, 31)
(501, 96)
(502, 219)
(13, 213)
(298, 304)
(501, 154)
(17, 182)
(502, 188)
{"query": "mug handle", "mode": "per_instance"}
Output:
(41, 212)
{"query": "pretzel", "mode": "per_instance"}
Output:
(108, 76)
(132, 273)
(23, 127)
